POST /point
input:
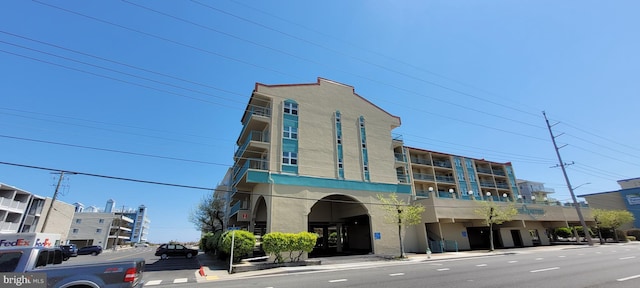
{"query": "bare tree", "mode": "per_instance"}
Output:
(208, 215)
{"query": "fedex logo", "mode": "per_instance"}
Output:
(18, 242)
(46, 243)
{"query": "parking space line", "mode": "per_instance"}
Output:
(628, 278)
(180, 280)
(153, 282)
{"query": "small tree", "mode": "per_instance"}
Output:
(494, 214)
(208, 215)
(401, 213)
(612, 219)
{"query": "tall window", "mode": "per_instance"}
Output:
(290, 132)
(78, 221)
(289, 158)
(74, 231)
(290, 108)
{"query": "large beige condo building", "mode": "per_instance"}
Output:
(314, 157)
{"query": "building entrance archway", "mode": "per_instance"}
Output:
(343, 226)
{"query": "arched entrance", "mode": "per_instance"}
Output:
(343, 226)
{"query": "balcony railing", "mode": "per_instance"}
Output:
(421, 161)
(403, 178)
(253, 136)
(444, 164)
(252, 163)
(423, 177)
(12, 204)
(499, 172)
(445, 179)
(422, 193)
(487, 184)
(235, 208)
(400, 157)
(502, 185)
(484, 170)
(9, 227)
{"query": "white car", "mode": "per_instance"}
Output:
(140, 245)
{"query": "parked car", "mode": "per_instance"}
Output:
(167, 250)
(39, 262)
(140, 245)
(90, 250)
(69, 251)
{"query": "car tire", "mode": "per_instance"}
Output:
(164, 256)
(189, 255)
(94, 253)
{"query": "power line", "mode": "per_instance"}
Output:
(113, 150)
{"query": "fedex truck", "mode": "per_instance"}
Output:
(14, 240)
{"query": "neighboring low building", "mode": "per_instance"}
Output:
(627, 198)
(23, 211)
(106, 228)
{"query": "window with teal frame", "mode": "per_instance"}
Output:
(338, 124)
(290, 137)
(471, 173)
(365, 156)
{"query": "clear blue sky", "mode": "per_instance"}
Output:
(154, 90)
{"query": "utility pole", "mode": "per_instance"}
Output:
(53, 200)
(566, 178)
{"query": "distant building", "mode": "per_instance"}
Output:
(108, 227)
(23, 211)
(530, 190)
(629, 183)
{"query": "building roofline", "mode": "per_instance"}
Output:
(318, 83)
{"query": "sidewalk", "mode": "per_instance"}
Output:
(214, 269)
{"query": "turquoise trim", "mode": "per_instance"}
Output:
(254, 176)
(290, 169)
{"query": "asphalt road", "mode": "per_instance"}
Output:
(157, 272)
(599, 266)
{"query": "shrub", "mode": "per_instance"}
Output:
(622, 237)
(303, 242)
(634, 232)
(275, 243)
(213, 242)
(242, 244)
(203, 241)
(631, 238)
(563, 232)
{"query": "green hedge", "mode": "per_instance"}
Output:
(277, 243)
(243, 243)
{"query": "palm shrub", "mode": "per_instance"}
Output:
(242, 244)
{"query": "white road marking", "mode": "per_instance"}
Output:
(626, 258)
(544, 270)
(628, 278)
(539, 258)
(444, 269)
(562, 256)
(180, 280)
(337, 280)
(481, 265)
(396, 274)
(153, 282)
(512, 261)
